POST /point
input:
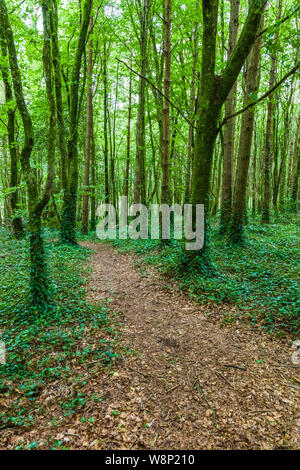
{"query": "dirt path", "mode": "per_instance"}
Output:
(174, 390)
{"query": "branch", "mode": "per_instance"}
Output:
(4, 123)
(269, 92)
(160, 92)
(278, 23)
(94, 23)
(16, 7)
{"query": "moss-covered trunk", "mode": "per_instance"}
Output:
(68, 223)
(214, 90)
(246, 134)
(36, 204)
(17, 225)
(228, 159)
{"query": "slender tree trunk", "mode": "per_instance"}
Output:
(268, 146)
(68, 225)
(61, 128)
(112, 139)
(284, 155)
(38, 270)
(192, 111)
(226, 200)
(295, 186)
(276, 171)
(93, 178)
(154, 169)
(159, 70)
(166, 109)
(239, 201)
(17, 226)
(126, 190)
(218, 165)
(5, 178)
(88, 137)
(254, 173)
(140, 175)
(105, 123)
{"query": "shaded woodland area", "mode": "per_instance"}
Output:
(164, 102)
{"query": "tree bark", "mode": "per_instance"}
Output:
(140, 174)
(61, 128)
(295, 186)
(213, 93)
(226, 200)
(88, 137)
(105, 122)
(38, 271)
(68, 225)
(265, 219)
(126, 190)
(239, 200)
(166, 108)
(192, 111)
(17, 226)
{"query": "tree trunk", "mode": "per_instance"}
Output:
(284, 155)
(226, 200)
(265, 219)
(140, 175)
(38, 271)
(88, 138)
(166, 109)
(239, 200)
(61, 128)
(126, 190)
(68, 225)
(254, 205)
(214, 91)
(17, 226)
(295, 186)
(105, 123)
(93, 178)
(192, 111)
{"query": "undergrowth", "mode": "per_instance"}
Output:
(56, 343)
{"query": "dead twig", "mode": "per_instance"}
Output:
(172, 388)
(260, 411)
(287, 365)
(218, 374)
(234, 367)
(198, 387)
(144, 374)
(296, 387)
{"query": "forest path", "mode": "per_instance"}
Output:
(176, 391)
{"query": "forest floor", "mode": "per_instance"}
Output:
(182, 381)
(190, 384)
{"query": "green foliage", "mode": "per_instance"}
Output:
(47, 346)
